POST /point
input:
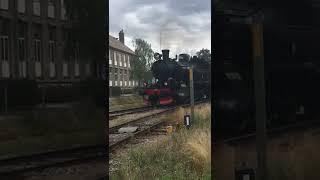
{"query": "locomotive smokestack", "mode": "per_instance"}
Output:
(165, 54)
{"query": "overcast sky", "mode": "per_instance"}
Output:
(184, 25)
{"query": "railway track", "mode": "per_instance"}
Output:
(273, 132)
(60, 158)
(143, 124)
(137, 116)
(114, 114)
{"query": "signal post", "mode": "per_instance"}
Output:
(191, 92)
(259, 91)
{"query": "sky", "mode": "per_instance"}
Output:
(183, 26)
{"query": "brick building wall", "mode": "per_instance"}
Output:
(33, 37)
(120, 64)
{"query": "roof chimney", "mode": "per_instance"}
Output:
(121, 36)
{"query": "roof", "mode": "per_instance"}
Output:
(116, 44)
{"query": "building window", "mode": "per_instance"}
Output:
(116, 82)
(76, 60)
(21, 57)
(76, 52)
(51, 8)
(37, 57)
(124, 61)
(36, 7)
(76, 69)
(52, 72)
(115, 59)
(21, 6)
(109, 56)
(4, 56)
(128, 61)
(125, 83)
(88, 69)
(63, 11)
(37, 50)
(120, 59)
(120, 83)
(4, 51)
(4, 4)
(21, 49)
(52, 51)
(110, 83)
(65, 69)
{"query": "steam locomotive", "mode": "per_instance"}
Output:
(292, 71)
(172, 80)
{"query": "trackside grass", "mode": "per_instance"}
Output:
(185, 154)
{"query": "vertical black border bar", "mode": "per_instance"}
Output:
(107, 81)
(211, 83)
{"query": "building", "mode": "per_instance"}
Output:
(33, 35)
(120, 60)
(38, 48)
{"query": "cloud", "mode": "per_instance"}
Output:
(184, 26)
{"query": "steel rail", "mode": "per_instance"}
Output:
(59, 158)
(148, 127)
(274, 131)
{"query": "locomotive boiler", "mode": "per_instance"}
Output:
(172, 79)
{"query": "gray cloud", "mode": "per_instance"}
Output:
(185, 25)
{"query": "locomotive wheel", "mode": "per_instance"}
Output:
(154, 100)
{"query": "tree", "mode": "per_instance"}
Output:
(141, 69)
(204, 54)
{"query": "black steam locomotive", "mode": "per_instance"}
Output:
(172, 79)
(292, 71)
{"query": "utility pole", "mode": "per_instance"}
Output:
(191, 92)
(259, 91)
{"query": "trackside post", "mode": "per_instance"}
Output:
(259, 91)
(191, 92)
